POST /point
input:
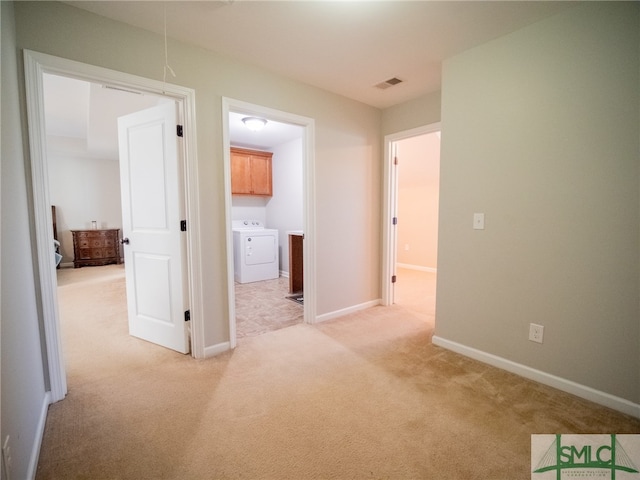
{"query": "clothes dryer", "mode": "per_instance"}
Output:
(255, 252)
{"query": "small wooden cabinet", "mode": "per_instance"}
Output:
(95, 247)
(296, 269)
(251, 172)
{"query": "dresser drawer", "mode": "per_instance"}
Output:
(96, 253)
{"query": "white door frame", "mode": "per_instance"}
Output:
(36, 65)
(389, 233)
(309, 207)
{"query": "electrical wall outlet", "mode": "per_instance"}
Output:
(6, 459)
(536, 332)
(406, 247)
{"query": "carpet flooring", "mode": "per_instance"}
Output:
(365, 396)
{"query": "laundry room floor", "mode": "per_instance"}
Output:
(263, 306)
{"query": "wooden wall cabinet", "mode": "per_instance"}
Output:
(251, 172)
(95, 247)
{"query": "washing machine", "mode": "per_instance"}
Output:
(255, 251)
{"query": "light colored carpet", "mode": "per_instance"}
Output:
(366, 396)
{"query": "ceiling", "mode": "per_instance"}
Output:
(83, 117)
(273, 134)
(345, 47)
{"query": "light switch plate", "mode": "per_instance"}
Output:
(478, 221)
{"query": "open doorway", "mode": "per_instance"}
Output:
(260, 293)
(82, 154)
(96, 204)
(36, 67)
(114, 182)
(411, 198)
(267, 208)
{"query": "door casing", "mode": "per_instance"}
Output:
(309, 259)
(389, 232)
(36, 64)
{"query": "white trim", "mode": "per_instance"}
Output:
(417, 267)
(346, 311)
(582, 391)
(213, 350)
(37, 64)
(309, 256)
(390, 238)
(34, 68)
(37, 444)
(194, 253)
(390, 195)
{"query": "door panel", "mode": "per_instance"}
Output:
(152, 290)
(261, 175)
(240, 173)
(148, 204)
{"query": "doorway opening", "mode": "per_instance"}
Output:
(412, 182)
(37, 67)
(261, 224)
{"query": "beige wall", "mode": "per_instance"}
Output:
(415, 113)
(23, 381)
(540, 132)
(82, 189)
(347, 147)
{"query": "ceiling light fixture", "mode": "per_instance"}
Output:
(254, 124)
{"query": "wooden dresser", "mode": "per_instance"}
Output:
(95, 247)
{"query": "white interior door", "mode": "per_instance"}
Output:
(150, 176)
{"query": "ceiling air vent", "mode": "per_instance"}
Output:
(389, 83)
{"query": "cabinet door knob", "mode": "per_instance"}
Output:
(124, 241)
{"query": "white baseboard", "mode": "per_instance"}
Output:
(345, 311)
(588, 393)
(417, 267)
(35, 449)
(284, 274)
(217, 349)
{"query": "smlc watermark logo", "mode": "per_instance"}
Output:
(562, 457)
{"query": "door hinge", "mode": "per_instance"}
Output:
(394, 221)
(179, 131)
(393, 279)
(395, 160)
(187, 315)
(183, 225)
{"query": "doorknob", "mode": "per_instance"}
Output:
(124, 241)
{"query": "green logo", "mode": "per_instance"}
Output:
(580, 456)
